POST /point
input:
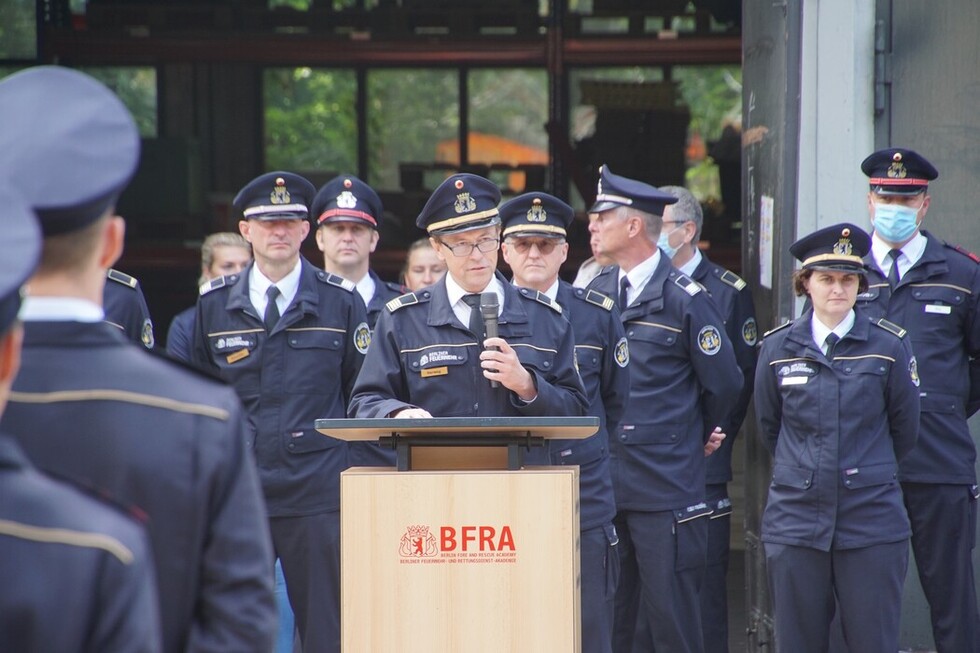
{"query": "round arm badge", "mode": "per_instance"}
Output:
(750, 332)
(362, 338)
(709, 340)
(914, 372)
(622, 352)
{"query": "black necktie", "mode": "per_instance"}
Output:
(893, 271)
(476, 317)
(831, 342)
(271, 309)
(624, 285)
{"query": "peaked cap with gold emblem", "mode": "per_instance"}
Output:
(462, 202)
(896, 171)
(275, 196)
(536, 214)
(838, 248)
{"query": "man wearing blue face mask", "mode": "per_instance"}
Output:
(932, 289)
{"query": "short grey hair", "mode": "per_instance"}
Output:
(687, 208)
(652, 223)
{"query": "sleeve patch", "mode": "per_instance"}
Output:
(709, 340)
(362, 338)
(750, 332)
(622, 352)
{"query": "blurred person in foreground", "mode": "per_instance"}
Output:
(144, 431)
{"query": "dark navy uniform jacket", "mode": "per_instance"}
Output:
(125, 308)
(602, 357)
(837, 431)
(154, 436)
(77, 575)
(938, 301)
(384, 292)
(180, 333)
(421, 356)
(684, 380)
(734, 301)
(304, 370)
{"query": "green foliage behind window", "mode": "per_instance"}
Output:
(310, 119)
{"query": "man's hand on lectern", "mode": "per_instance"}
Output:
(409, 413)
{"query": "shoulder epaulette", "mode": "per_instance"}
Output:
(214, 284)
(122, 277)
(774, 330)
(400, 302)
(335, 280)
(891, 327)
(733, 280)
(687, 284)
(965, 252)
(600, 300)
(541, 298)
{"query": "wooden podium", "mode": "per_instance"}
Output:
(450, 560)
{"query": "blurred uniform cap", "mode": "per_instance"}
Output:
(839, 248)
(346, 199)
(275, 196)
(616, 191)
(536, 214)
(20, 248)
(67, 144)
(895, 171)
(462, 202)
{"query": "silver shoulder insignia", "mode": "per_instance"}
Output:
(122, 277)
(733, 280)
(599, 299)
(891, 327)
(400, 302)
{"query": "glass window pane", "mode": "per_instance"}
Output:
(310, 120)
(137, 88)
(18, 29)
(507, 114)
(412, 115)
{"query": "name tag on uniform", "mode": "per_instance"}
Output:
(435, 371)
(939, 309)
(237, 356)
(793, 380)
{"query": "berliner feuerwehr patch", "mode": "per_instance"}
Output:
(362, 337)
(914, 371)
(709, 340)
(146, 334)
(622, 352)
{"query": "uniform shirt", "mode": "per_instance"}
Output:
(912, 251)
(820, 331)
(602, 359)
(937, 300)
(164, 441)
(733, 298)
(126, 309)
(423, 357)
(77, 574)
(684, 379)
(302, 371)
(837, 429)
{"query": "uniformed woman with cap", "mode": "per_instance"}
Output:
(836, 396)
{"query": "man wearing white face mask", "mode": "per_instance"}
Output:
(932, 289)
(679, 240)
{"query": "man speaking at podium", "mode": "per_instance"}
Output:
(430, 354)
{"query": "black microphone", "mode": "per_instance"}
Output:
(488, 308)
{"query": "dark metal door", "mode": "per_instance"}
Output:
(770, 106)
